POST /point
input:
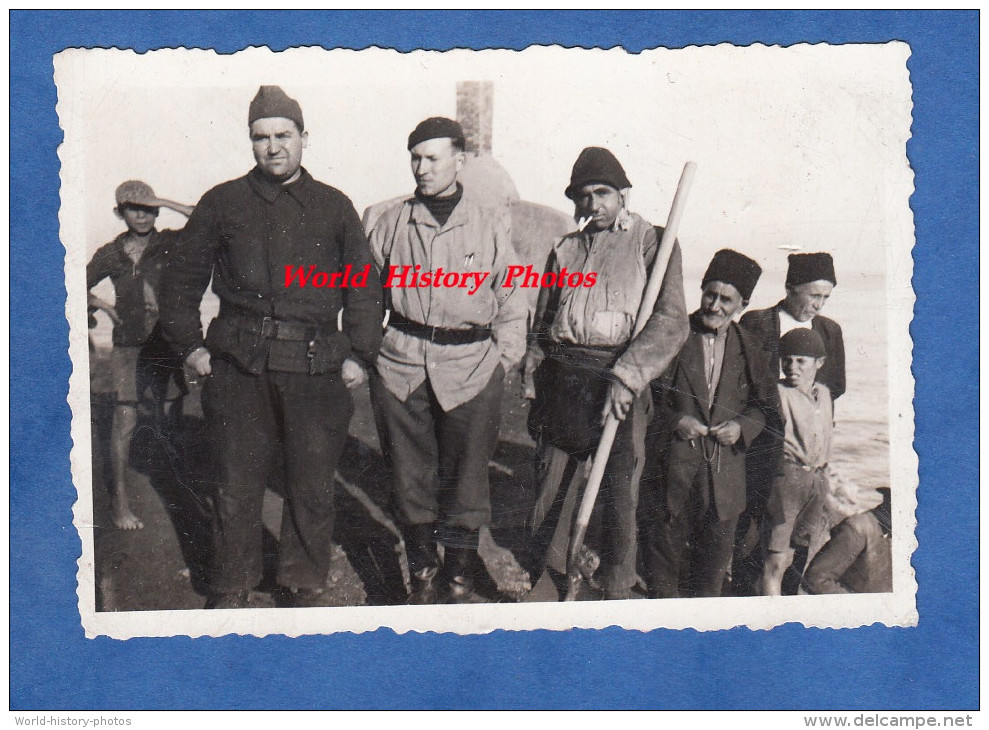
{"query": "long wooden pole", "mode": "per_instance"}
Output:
(646, 307)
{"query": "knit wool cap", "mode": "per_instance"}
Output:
(734, 268)
(596, 165)
(806, 267)
(136, 192)
(802, 341)
(437, 128)
(271, 101)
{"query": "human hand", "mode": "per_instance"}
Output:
(95, 301)
(199, 361)
(689, 428)
(353, 374)
(726, 433)
(619, 400)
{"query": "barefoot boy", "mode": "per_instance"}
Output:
(140, 360)
(795, 510)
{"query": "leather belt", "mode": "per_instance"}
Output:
(281, 329)
(439, 335)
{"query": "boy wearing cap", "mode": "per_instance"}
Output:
(795, 512)
(810, 278)
(582, 364)
(439, 378)
(141, 361)
(279, 359)
(712, 402)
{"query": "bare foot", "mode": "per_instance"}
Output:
(124, 519)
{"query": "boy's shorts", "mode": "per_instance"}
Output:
(795, 512)
(139, 374)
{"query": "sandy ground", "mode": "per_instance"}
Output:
(163, 565)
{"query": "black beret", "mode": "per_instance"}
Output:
(806, 267)
(437, 128)
(802, 341)
(596, 165)
(734, 268)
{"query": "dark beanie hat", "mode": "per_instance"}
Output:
(736, 269)
(805, 267)
(437, 128)
(596, 165)
(802, 341)
(271, 101)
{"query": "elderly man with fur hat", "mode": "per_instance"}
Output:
(712, 402)
(280, 358)
(583, 363)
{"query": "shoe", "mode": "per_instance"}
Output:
(425, 588)
(460, 570)
(240, 599)
(310, 598)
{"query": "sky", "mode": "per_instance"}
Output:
(801, 146)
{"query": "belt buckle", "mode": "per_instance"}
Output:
(269, 327)
(432, 334)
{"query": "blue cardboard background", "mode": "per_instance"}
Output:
(933, 666)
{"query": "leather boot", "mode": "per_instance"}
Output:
(420, 549)
(461, 568)
(425, 587)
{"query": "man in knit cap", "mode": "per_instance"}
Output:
(795, 512)
(582, 364)
(439, 378)
(712, 402)
(279, 357)
(809, 280)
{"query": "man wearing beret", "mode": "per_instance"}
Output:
(141, 361)
(795, 513)
(583, 364)
(439, 378)
(712, 402)
(279, 358)
(810, 279)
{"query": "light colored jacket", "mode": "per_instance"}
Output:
(474, 239)
(603, 315)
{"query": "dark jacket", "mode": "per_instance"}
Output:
(135, 286)
(745, 394)
(244, 234)
(765, 325)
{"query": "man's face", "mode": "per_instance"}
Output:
(278, 146)
(720, 301)
(800, 371)
(435, 164)
(140, 219)
(599, 202)
(804, 301)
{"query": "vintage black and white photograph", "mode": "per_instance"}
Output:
(474, 340)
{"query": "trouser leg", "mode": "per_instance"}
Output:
(560, 478)
(315, 411)
(413, 452)
(619, 502)
(466, 437)
(712, 553)
(243, 432)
